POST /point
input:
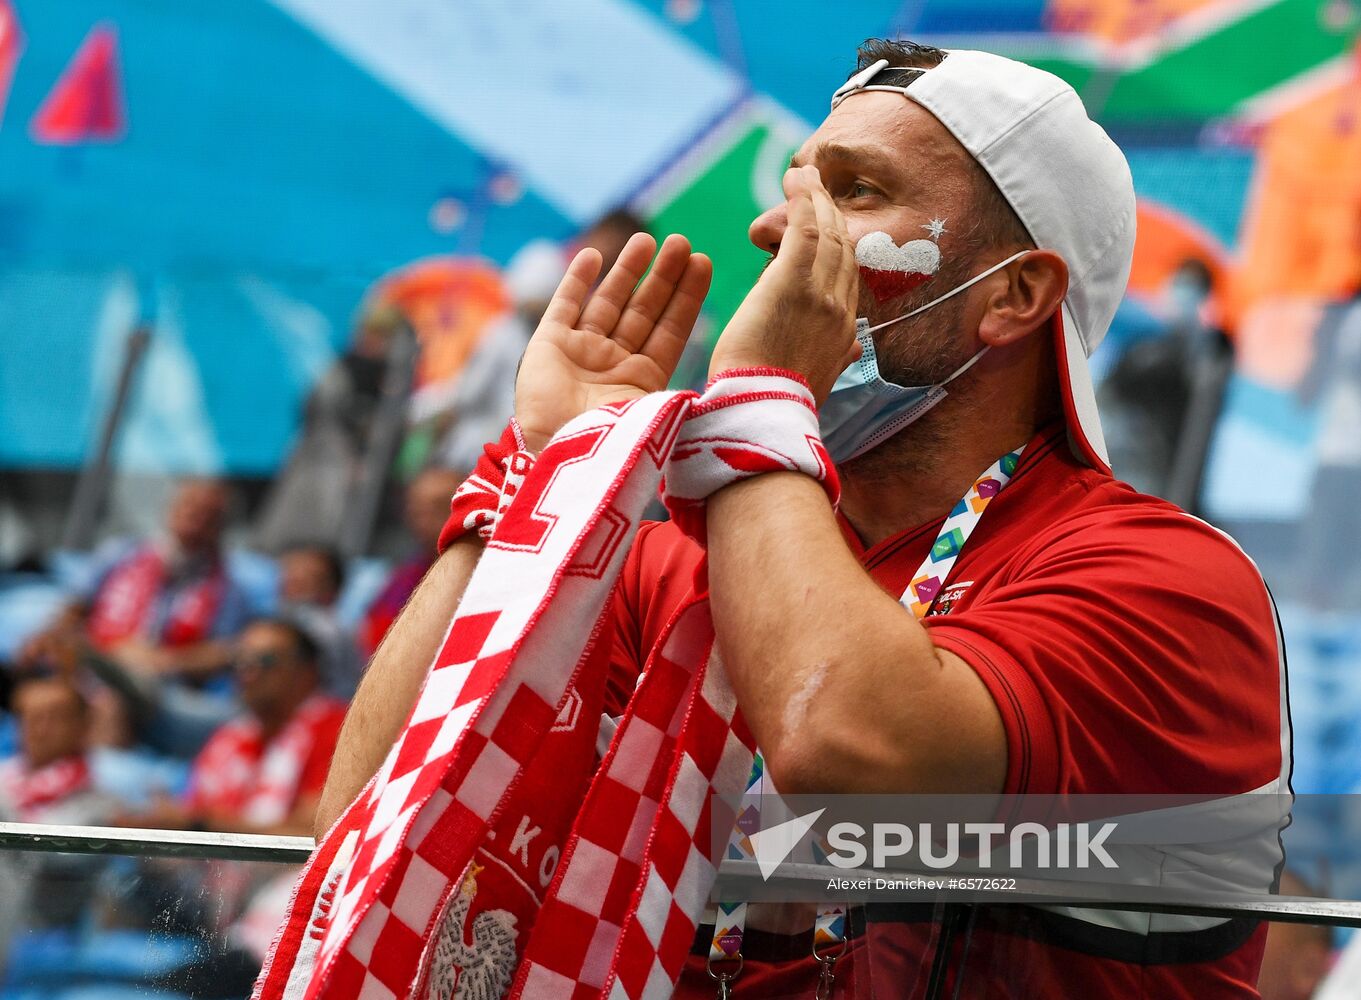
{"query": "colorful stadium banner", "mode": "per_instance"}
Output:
(347, 142)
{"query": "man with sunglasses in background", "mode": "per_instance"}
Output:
(263, 772)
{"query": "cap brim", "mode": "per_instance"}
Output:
(1079, 398)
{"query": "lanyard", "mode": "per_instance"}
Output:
(829, 931)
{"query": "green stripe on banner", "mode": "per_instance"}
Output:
(1211, 77)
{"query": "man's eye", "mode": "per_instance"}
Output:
(861, 190)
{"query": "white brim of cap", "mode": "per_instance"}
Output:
(1079, 398)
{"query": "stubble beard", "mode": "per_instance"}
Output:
(924, 350)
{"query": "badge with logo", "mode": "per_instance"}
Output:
(949, 597)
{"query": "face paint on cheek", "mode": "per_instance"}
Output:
(891, 270)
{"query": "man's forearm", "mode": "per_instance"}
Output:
(841, 685)
(203, 659)
(393, 679)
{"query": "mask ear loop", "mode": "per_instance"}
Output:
(951, 294)
(934, 396)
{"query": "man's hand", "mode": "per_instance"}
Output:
(801, 315)
(622, 344)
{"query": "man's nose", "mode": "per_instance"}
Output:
(768, 229)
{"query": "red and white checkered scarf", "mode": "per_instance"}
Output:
(490, 856)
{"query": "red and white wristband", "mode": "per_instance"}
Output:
(481, 499)
(749, 421)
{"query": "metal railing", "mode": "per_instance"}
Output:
(101, 840)
(153, 843)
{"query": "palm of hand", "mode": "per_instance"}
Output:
(623, 343)
(578, 370)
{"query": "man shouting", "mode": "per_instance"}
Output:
(988, 610)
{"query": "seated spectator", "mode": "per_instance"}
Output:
(310, 581)
(159, 618)
(169, 607)
(263, 772)
(49, 780)
(426, 509)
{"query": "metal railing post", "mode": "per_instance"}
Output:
(93, 483)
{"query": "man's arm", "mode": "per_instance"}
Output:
(841, 685)
(394, 678)
(197, 661)
(618, 342)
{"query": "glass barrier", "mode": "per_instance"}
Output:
(86, 926)
(106, 914)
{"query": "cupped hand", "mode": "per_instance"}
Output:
(800, 315)
(619, 343)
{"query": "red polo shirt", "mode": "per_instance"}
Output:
(1129, 647)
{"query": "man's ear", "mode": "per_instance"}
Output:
(1036, 285)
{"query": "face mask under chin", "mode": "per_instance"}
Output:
(864, 409)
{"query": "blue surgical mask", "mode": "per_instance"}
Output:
(864, 409)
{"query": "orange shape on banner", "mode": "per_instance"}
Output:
(1118, 21)
(86, 105)
(450, 302)
(1301, 231)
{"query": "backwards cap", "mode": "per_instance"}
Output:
(1066, 180)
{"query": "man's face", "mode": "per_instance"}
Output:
(893, 168)
(196, 515)
(609, 239)
(305, 577)
(52, 721)
(427, 504)
(270, 672)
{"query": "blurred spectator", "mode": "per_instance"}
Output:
(1149, 395)
(134, 773)
(308, 497)
(57, 647)
(484, 396)
(263, 771)
(168, 608)
(310, 581)
(157, 622)
(426, 508)
(49, 781)
(164, 608)
(608, 234)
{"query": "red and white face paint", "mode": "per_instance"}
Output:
(891, 270)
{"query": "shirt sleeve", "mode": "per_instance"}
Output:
(627, 654)
(658, 579)
(1135, 653)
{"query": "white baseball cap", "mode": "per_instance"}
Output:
(1067, 181)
